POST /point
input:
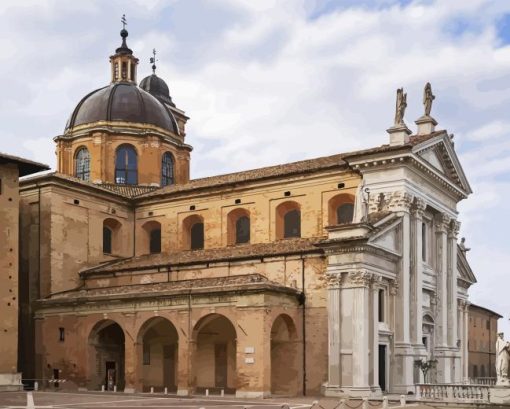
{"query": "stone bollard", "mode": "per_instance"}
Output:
(36, 386)
(115, 388)
(341, 405)
(102, 388)
(315, 402)
(365, 403)
(207, 392)
(285, 406)
(152, 389)
(166, 390)
(385, 402)
(222, 393)
(402, 400)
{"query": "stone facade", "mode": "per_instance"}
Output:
(331, 275)
(483, 333)
(11, 168)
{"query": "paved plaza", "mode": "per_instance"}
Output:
(65, 400)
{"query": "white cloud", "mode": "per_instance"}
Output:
(274, 86)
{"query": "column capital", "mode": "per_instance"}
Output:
(359, 278)
(401, 201)
(418, 208)
(394, 287)
(442, 221)
(333, 280)
(454, 228)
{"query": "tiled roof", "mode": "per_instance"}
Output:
(288, 169)
(128, 190)
(26, 167)
(245, 251)
(179, 287)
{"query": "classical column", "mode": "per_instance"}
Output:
(443, 350)
(417, 276)
(374, 329)
(404, 355)
(442, 280)
(334, 367)
(359, 282)
(453, 231)
(465, 349)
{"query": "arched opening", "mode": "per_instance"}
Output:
(284, 357)
(126, 165)
(193, 233)
(106, 356)
(167, 169)
(152, 239)
(288, 220)
(341, 209)
(111, 233)
(238, 227)
(159, 340)
(82, 164)
(214, 360)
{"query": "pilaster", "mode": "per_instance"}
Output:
(417, 278)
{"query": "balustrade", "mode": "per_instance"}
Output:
(478, 392)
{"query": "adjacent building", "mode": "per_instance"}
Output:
(11, 168)
(483, 333)
(331, 275)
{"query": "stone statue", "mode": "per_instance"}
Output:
(401, 107)
(428, 97)
(463, 247)
(502, 358)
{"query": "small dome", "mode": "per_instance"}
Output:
(157, 87)
(124, 102)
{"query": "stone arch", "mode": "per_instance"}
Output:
(285, 371)
(192, 231)
(234, 220)
(106, 344)
(214, 356)
(288, 220)
(112, 233)
(341, 209)
(158, 357)
(151, 240)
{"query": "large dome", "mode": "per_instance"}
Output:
(122, 101)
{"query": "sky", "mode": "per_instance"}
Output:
(274, 81)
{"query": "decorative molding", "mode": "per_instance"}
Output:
(359, 278)
(419, 207)
(442, 222)
(454, 228)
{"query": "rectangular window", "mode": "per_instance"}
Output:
(146, 354)
(61, 334)
(381, 305)
(488, 324)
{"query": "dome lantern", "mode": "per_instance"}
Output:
(123, 63)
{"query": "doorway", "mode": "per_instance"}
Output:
(382, 367)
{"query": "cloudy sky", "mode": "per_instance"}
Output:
(268, 82)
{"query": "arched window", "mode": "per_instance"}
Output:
(82, 164)
(292, 224)
(155, 241)
(288, 220)
(111, 232)
(197, 236)
(151, 240)
(243, 230)
(107, 240)
(238, 226)
(167, 169)
(344, 213)
(126, 167)
(341, 209)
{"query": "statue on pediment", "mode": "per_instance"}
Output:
(428, 97)
(400, 107)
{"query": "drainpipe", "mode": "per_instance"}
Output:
(134, 230)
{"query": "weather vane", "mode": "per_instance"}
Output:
(123, 21)
(153, 61)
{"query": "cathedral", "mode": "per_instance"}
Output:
(330, 276)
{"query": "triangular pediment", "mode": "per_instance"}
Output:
(439, 154)
(463, 268)
(387, 235)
